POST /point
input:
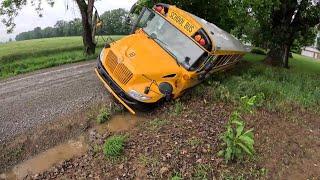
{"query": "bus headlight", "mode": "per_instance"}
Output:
(138, 96)
(101, 55)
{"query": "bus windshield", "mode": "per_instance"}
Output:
(178, 45)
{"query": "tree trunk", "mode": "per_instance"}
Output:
(278, 56)
(86, 14)
(285, 58)
(274, 57)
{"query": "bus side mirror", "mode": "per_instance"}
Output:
(133, 8)
(128, 19)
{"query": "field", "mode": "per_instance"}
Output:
(26, 56)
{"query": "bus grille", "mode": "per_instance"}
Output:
(119, 70)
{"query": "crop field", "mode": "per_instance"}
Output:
(30, 55)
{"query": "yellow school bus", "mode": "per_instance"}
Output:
(169, 51)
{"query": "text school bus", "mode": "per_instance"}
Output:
(170, 51)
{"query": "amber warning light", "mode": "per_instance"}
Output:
(161, 9)
(200, 40)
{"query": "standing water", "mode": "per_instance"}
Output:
(117, 123)
(72, 148)
(47, 159)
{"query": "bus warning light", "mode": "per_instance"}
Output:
(202, 42)
(197, 38)
(159, 9)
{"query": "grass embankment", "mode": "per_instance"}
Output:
(284, 89)
(181, 139)
(285, 125)
(30, 55)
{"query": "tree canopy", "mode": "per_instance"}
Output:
(215, 11)
(9, 9)
(277, 25)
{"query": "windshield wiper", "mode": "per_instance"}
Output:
(154, 37)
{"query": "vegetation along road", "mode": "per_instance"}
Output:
(43, 53)
(27, 101)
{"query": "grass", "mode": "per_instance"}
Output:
(30, 55)
(177, 108)
(201, 171)
(176, 176)
(157, 123)
(149, 161)
(305, 64)
(284, 89)
(104, 116)
(194, 141)
(114, 146)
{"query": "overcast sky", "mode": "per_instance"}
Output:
(28, 18)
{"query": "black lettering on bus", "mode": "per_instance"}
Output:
(189, 27)
(179, 20)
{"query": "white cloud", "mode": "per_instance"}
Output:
(28, 19)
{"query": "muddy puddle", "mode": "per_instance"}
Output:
(68, 150)
(118, 123)
(47, 159)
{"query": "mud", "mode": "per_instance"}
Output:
(118, 123)
(46, 159)
(70, 149)
(188, 143)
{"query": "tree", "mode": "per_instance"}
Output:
(9, 9)
(115, 21)
(214, 11)
(88, 24)
(276, 24)
(318, 38)
(304, 40)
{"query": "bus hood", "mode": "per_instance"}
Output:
(144, 56)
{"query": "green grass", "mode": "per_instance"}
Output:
(176, 176)
(177, 108)
(30, 55)
(304, 64)
(201, 172)
(104, 116)
(149, 161)
(194, 141)
(114, 146)
(284, 89)
(157, 123)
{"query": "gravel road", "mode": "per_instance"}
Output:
(32, 99)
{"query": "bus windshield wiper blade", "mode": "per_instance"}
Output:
(173, 55)
(155, 38)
